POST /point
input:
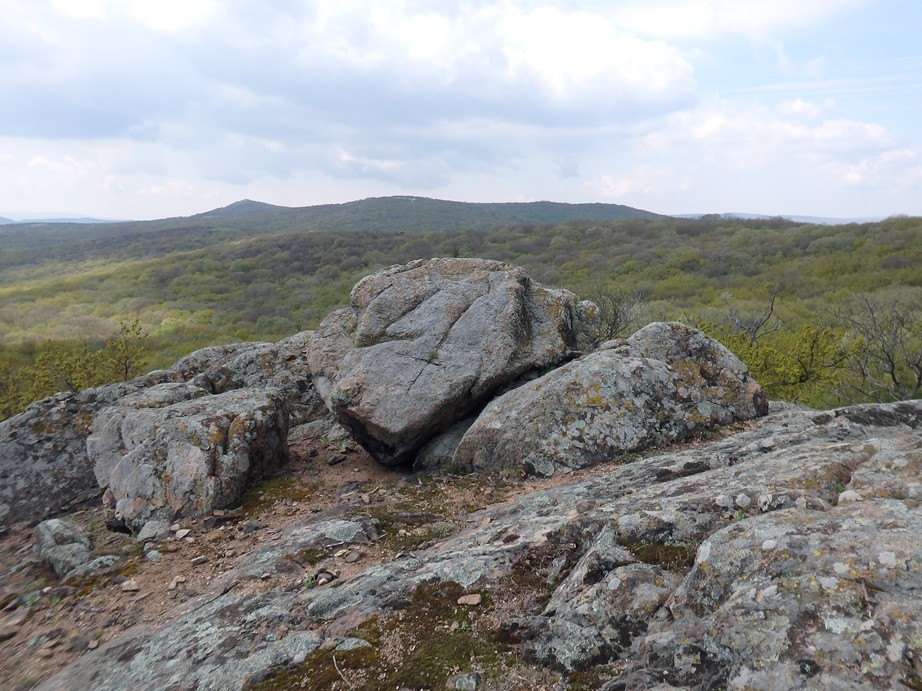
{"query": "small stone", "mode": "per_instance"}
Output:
(471, 600)
(353, 556)
(175, 582)
(130, 586)
(742, 500)
(465, 682)
(218, 512)
(175, 527)
(12, 624)
(199, 560)
(849, 495)
(723, 501)
(366, 499)
(153, 530)
(92, 645)
(153, 556)
(352, 644)
(184, 532)
(265, 576)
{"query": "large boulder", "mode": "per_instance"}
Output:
(176, 450)
(424, 344)
(664, 383)
(43, 463)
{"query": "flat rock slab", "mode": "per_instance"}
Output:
(423, 344)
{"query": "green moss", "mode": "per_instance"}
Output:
(670, 557)
(430, 639)
(264, 494)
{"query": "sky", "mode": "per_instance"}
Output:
(138, 109)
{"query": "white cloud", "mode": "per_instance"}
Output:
(642, 180)
(705, 19)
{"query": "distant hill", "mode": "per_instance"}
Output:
(816, 220)
(39, 241)
(5, 221)
(416, 214)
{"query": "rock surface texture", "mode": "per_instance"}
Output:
(43, 462)
(786, 555)
(423, 345)
(174, 450)
(664, 383)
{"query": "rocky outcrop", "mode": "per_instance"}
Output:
(665, 383)
(280, 367)
(423, 345)
(44, 466)
(43, 462)
(176, 450)
(783, 556)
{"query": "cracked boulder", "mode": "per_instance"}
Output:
(175, 450)
(423, 345)
(665, 383)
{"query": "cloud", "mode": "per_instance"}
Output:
(708, 19)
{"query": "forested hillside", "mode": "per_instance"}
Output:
(787, 297)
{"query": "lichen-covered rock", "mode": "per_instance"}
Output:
(61, 545)
(175, 450)
(43, 462)
(733, 564)
(278, 366)
(664, 383)
(424, 344)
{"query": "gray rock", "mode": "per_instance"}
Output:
(92, 568)
(281, 367)
(651, 563)
(439, 451)
(352, 644)
(153, 530)
(665, 383)
(43, 462)
(160, 460)
(61, 545)
(424, 344)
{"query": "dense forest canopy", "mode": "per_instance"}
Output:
(206, 280)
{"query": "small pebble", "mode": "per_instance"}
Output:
(130, 586)
(180, 534)
(470, 600)
(199, 560)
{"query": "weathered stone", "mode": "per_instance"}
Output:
(185, 458)
(61, 545)
(278, 366)
(651, 563)
(43, 461)
(153, 530)
(424, 344)
(664, 383)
